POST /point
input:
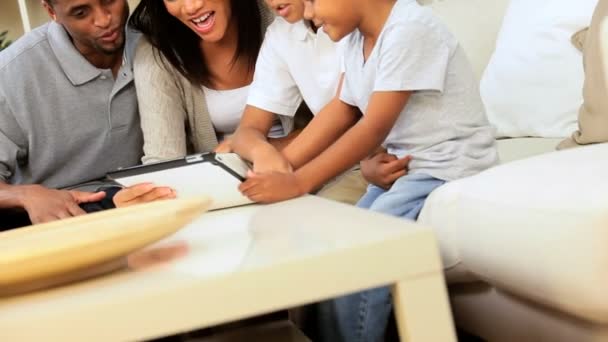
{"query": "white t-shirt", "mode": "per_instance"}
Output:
(295, 64)
(443, 126)
(226, 109)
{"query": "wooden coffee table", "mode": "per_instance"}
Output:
(244, 262)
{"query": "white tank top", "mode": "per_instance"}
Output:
(226, 109)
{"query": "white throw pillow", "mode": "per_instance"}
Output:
(533, 83)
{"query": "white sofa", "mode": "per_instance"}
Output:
(524, 244)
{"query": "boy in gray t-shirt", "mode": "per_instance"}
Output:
(443, 126)
(409, 77)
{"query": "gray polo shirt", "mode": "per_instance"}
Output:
(62, 120)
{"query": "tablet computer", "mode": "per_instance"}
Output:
(216, 175)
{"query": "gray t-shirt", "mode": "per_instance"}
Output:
(443, 126)
(62, 120)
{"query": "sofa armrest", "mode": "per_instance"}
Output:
(537, 227)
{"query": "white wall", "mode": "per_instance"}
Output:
(10, 19)
(38, 15)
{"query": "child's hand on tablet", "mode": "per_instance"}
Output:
(270, 160)
(224, 147)
(271, 187)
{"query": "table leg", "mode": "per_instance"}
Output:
(422, 309)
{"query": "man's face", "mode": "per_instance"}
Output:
(93, 25)
(337, 17)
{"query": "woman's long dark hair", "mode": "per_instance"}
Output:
(180, 45)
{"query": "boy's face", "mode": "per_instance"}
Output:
(337, 17)
(290, 10)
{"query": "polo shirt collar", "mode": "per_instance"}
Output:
(74, 65)
(302, 30)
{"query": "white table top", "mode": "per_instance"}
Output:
(242, 262)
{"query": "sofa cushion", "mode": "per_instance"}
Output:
(519, 148)
(532, 85)
(524, 227)
(476, 33)
(593, 114)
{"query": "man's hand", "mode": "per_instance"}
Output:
(45, 205)
(270, 160)
(271, 187)
(142, 193)
(383, 169)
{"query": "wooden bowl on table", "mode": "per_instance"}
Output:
(53, 253)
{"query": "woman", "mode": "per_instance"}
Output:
(193, 70)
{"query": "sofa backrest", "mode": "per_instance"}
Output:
(475, 23)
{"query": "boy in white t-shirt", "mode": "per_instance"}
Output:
(410, 78)
(296, 63)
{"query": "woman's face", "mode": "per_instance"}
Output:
(209, 19)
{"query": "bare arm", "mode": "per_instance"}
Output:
(354, 145)
(44, 204)
(250, 142)
(326, 127)
(357, 143)
(10, 196)
(250, 136)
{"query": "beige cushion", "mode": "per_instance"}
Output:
(593, 114)
(476, 33)
(520, 148)
(523, 227)
(347, 188)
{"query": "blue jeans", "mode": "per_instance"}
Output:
(363, 316)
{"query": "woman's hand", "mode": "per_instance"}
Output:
(142, 193)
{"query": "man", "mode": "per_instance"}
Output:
(68, 112)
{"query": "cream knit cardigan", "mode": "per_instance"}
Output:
(174, 116)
